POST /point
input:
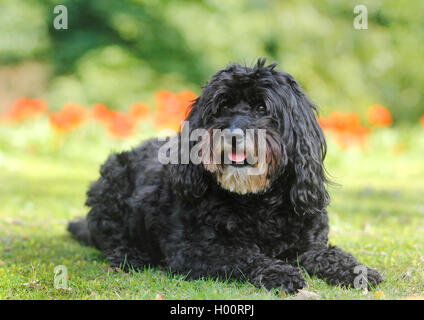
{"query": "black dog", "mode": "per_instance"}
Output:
(217, 220)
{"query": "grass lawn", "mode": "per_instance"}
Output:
(377, 214)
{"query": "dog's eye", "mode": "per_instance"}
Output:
(260, 110)
(224, 108)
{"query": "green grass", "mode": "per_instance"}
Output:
(377, 214)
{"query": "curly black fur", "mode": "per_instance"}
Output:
(145, 213)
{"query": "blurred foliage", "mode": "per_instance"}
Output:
(118, 52)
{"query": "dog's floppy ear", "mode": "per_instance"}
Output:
(190, 181)
(308, 193)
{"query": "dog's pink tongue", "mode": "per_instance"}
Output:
(236, 157)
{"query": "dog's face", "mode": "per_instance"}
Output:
(262, 128)
(237, 104)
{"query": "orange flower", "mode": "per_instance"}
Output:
(186, 98)
(342, 121)
(346, 128)
(422, 121)
(323, 123)
(69, 117)
(101, 113)
(139, 111)
(354, 136)
(171, 108)
(379, 116)
(120, 125)
(25, 108)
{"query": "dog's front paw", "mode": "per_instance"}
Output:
(284, 277)
(363, 277)
(373, 277)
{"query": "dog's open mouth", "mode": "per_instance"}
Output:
(237, 158)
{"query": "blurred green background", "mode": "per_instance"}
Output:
(118, 52)
(121, 51)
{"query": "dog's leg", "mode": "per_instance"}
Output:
(107, 234)
(127, 258)
(203, 259)
(338, 267)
